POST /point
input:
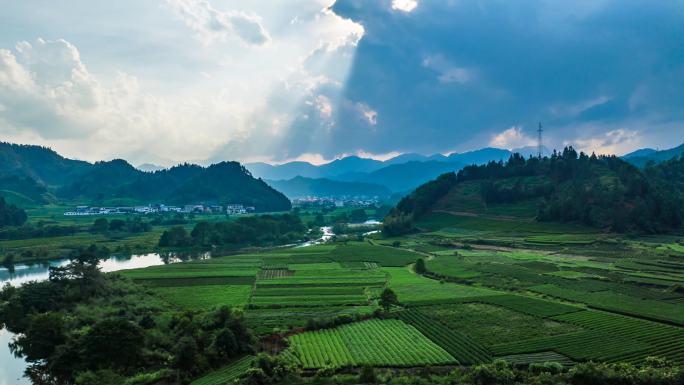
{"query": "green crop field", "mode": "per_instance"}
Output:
(465, 350)
(411, 287)
(375, 342)
(227, 374)
(490, 325)
(496, 288)
(205, 297)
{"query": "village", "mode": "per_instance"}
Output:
(230, 209)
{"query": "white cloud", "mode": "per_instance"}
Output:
(511, 138)
(323, 106)
(50, 97)
(382, 157)
(404, 5)
(367, 113)
(447, 71)
(617, 141)
(211, 24)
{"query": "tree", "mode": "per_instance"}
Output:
(388, 298)
(117, 225)
(187, 354)
(115, 343)
(420, 266)
(358, 216)
(225, 343)
(176, 236)
(101, 225)
(44, 334)
(367, 375)
(11, 215)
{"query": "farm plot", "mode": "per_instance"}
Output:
(227, 374)
(269, 273)
(373, 342)
(205, 297)
(581, 346)
(411, 287)
(461, 347)
(491, 325)
(365, 252)
(328, 277)
(531, 306)
(265, 320)
(541, 357)
(451, 266)
(663, 340)
(188, 270)
(330, 286)
(608, 300)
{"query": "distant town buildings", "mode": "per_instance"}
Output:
(313, 201)
(231, 209)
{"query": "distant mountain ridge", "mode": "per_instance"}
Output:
(37, 174)
(642, 157)
(299, 187)
(400, 174)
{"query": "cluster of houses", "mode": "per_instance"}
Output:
(231, 209)
(313, 201)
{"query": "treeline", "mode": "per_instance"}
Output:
(11, 215)
(262, 230)
(655, 371)
(599, 191)
(124, 336)
(104, 226)
(114, 227)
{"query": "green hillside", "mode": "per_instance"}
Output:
(602, 192)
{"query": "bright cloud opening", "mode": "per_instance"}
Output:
(404, 5)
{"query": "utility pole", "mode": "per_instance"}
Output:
(540, 145)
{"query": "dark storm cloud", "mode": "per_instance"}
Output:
(453, 73)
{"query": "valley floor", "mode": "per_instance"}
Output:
(520, 291)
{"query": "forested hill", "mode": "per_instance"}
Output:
(41, 164)
(32, 175)
(221, 183)
(599, 191)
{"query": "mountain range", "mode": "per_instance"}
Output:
(36, 175)
(399, 174)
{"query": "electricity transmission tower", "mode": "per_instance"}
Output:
(540, 145)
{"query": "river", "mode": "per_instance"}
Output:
(11, 367)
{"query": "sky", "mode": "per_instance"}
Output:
(169, 81)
